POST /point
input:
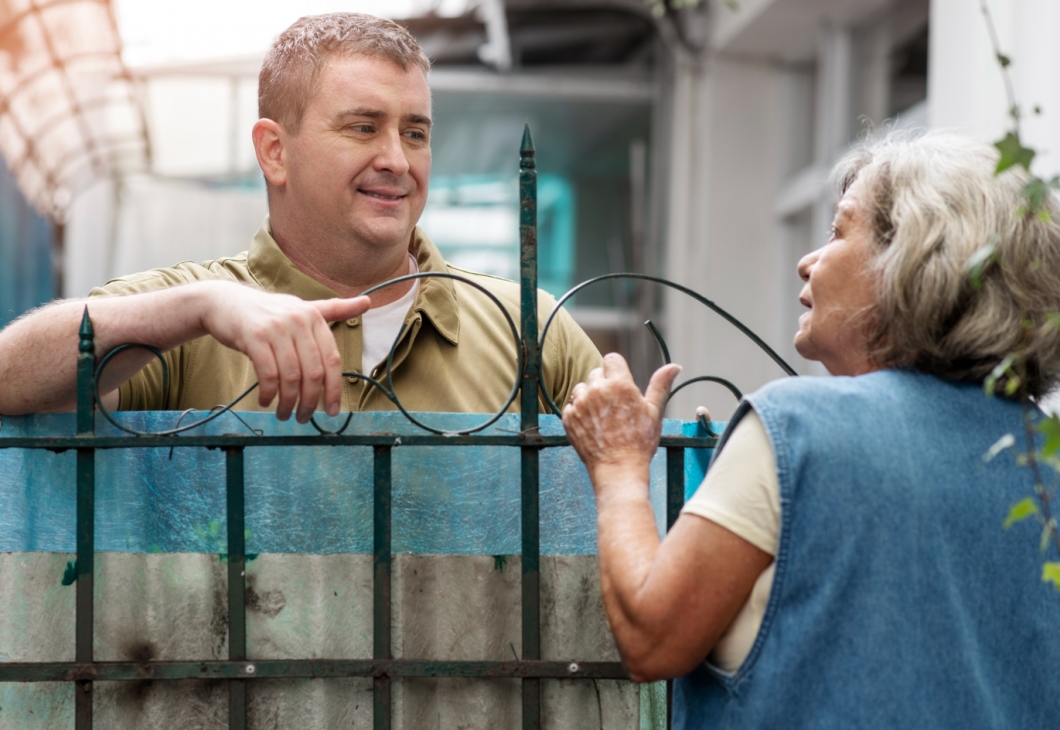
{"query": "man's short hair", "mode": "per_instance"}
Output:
(291, 69)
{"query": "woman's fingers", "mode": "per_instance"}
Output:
(659, 387)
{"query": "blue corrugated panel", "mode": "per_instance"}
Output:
(447, 500)
(26, 278)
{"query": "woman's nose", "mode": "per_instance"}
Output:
(806, 263)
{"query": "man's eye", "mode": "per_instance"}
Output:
(416, 135)
(361, 128)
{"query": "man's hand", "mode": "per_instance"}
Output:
(287, 339)
(610, 424)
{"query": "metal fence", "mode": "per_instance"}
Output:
(238, 670)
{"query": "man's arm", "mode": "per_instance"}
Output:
(287, 340)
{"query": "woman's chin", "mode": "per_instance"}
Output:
(803, 346)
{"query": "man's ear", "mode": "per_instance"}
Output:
(269, 140)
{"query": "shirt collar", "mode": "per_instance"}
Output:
(271, 268)
(436, 298)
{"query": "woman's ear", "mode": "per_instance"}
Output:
(269, 141)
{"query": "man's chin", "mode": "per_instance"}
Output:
(383, 236)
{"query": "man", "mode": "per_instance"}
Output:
(344, 144)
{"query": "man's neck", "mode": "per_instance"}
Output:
(350, 269)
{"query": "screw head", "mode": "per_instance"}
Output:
(250, 669)
(573, 668)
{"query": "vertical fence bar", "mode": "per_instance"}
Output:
(675, 483)
(675, 499)
(531, 547)
(381, 584)
(237, 596)
(86, 522)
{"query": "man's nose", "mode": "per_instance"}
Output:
(390, 156)
(806, 263)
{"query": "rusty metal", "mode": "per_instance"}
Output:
(381, 585)
(237, 583)
(86, 522)
(303, 669)
(530, 455)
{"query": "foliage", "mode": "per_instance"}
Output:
(1042, 435)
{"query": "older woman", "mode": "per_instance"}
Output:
(843, 564)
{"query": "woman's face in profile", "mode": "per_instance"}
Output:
(839, 287)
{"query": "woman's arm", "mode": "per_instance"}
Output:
(668, 601)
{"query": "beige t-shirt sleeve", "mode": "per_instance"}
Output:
(741, 493)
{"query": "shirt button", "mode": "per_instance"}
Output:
(351, 379)
(353, 322)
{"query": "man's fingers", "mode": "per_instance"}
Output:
(659, 386)
(264, 361)
(311, 368)
(615, 367)
(332, 361)
(290, 376)
(335, 309)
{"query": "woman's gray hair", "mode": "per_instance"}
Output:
(965, 274)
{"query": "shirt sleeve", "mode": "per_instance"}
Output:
(568, 355)
(144, 391)
(741, 491)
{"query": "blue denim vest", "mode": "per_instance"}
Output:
(898, 600)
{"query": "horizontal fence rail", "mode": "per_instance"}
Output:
(238, 670)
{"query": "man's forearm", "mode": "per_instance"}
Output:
(38, 353)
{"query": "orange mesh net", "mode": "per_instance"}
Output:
(69, 110)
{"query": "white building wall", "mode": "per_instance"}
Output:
(723, 238)
(749, 161)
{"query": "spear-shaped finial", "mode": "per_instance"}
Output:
(526, 150)
(87, 333)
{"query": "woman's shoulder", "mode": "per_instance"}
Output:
(878, 395)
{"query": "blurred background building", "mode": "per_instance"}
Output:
(689, 142)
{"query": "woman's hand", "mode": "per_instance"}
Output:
(610, 424)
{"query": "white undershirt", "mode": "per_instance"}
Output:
(380, 326)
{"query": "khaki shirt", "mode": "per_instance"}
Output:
(457, 353)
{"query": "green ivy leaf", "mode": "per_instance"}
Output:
(1051, 574)
(1050, 428)
(1047, 533)
(1004, 60)
(1013, 153)
(1003, 368)
(1035, 191)
(1005, 442)
(980, 260)
(1020, 511)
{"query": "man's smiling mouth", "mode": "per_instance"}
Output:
(381, 196)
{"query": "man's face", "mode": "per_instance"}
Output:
(359, 166)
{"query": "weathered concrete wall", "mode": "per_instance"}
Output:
(174, 607)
